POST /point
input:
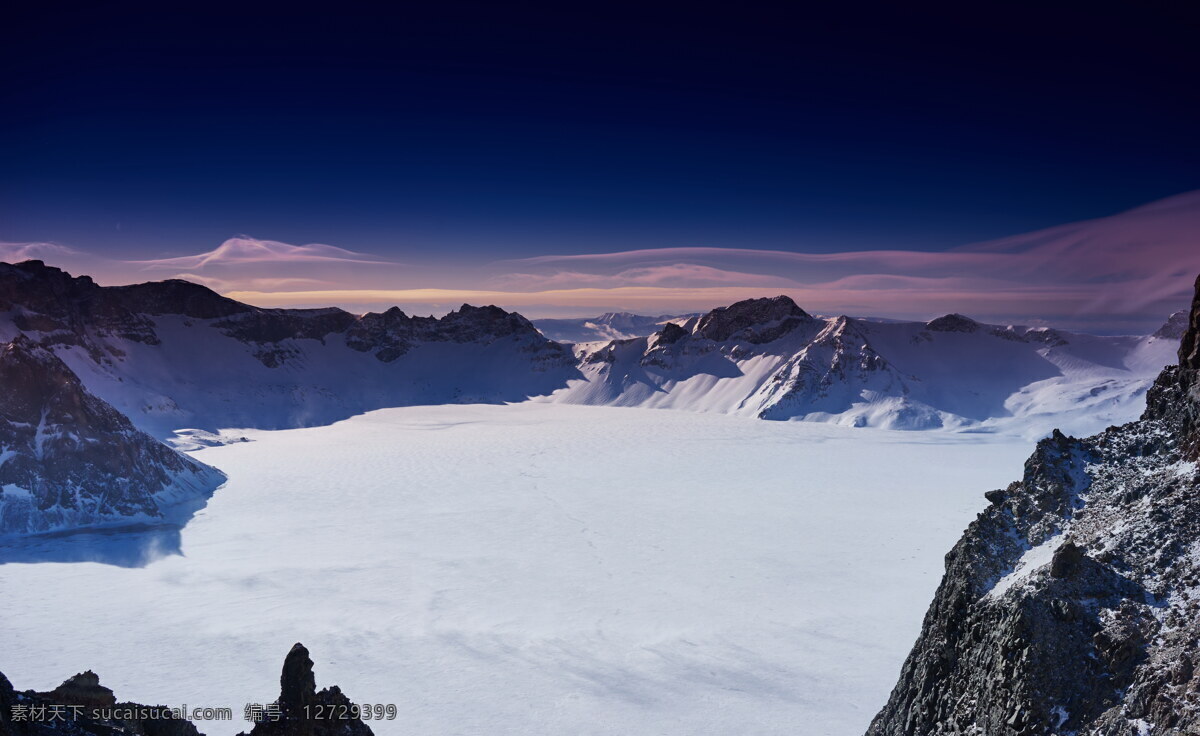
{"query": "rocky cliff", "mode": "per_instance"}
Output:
(1072, 604)
(69, 460)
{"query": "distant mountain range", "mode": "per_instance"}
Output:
(608, 326)
(768, 358)
(98, 375)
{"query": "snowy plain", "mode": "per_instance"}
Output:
(532, 569)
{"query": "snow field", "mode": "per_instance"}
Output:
(534, 569)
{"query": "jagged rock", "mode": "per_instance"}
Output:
(1072, 604)
(754, 320)
(84, 707)
(305, 712)
(69, 460)
(82, 689)
(1175, 326)
(1189, 347)
(81, 706)
(670, 334)
(953, 323)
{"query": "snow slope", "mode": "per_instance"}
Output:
(197, 377)
(533, 569)
(174, 355)
(949, 373)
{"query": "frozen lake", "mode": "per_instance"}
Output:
(534, 569)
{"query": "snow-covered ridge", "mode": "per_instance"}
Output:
(768, 358)
(69, 460)
(174, 355)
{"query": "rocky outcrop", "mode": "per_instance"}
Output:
(953, 323)
(1189, 347)
(1072, 604)
(69, 460)
(755, 321)
(303, 711)
(1175, 326)
(81, 706)
(390, 335)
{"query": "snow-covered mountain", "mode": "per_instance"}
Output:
(608, 326)
(86, 365)
(770, 359)
(173, 355)
(69, 460)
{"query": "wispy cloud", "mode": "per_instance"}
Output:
(245, 250)
(16, 252)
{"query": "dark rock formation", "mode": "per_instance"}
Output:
(81, 706)
(1189, 348)
(1175, 326)
(59, 309)
(390, 334)
(670, 334)
(1072, 604)
(302, 711)
(953, 323)
(753, 320)
(69, 460)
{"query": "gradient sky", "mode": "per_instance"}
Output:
(453, 142)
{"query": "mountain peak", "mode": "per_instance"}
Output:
(723, 323)
(953, 323)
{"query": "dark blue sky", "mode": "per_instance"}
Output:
(465, 131)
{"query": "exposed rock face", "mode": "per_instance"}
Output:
(81, 706)
(69, 460)
(67, 310)
(1072, 604)
(390, 334)
(305, 712)
(753, 320)
(1189, 348)
(953, 323)
(1174, 327)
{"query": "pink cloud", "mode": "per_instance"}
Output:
(669, 275)
(17, 252)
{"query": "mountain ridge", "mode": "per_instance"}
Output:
(182, 363)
